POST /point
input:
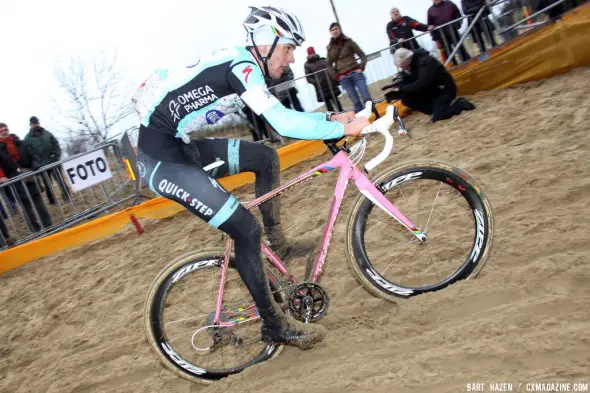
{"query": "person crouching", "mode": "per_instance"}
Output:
(426, 86)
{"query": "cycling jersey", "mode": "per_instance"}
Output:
(186, 100)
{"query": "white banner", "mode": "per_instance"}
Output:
(87, 170)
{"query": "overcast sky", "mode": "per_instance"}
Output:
(149, 34)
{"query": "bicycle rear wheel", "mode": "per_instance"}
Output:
(442, 201)
(181, 305)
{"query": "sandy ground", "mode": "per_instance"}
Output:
(73, 322)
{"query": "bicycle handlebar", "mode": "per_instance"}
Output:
(381, 126)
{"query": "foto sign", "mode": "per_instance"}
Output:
(87, 170)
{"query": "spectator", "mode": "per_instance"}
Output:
(288, 96)
(399, 30)
(506, 19)
(427, 86)
(255, 124)
(5, 239)
(441, 12)
(483, 28)
(341, 57)
(19, 158)
(47, 148)
(556, 12)
(324, 83)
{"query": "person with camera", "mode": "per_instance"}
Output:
(426, 86)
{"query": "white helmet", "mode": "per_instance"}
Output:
(265, 25)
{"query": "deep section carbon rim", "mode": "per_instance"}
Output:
(446, 206)
(182, 308)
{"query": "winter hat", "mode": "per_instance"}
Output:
(33, 120)
(310, 51)
(402, 56)
(335, 24)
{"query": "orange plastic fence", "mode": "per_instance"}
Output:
(552, 50)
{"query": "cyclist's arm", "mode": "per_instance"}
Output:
(247, 80)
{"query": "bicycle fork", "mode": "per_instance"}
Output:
(370, 191)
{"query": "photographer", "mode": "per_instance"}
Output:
(426, 86)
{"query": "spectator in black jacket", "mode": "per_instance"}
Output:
(399, 30)
(556, 12)
(447, 37)
(427, 86)
(19, 158)
(484, 28)
(47, 148)
(323, 80)
(5, 239)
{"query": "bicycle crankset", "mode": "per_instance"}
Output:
(308, 302)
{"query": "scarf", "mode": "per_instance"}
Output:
(11, 147)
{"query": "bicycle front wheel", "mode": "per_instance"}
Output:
(180, 314)
(444, 202)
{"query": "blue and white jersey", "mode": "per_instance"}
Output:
(188, 99)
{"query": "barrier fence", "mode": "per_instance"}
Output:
(62, 194)
(457, 42)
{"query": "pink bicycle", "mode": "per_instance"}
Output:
(202, 322)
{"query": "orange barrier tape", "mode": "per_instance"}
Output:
(156, 208)
(554, 49)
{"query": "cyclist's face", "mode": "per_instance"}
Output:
(280, 60)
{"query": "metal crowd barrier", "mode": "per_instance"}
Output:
(494, 24)
(45, 201)
(32, 205)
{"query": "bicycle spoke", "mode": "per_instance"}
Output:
(432, 209)
(184, 319)
(177, 336)
(405, 199)
(431, 261)
(403, 245)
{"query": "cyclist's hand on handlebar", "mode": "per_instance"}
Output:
(343, 118)
(355, 127)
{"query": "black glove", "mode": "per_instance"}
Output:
(393, 96)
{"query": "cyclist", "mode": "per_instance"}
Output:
(173, 104)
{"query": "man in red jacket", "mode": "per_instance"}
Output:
(399, 31)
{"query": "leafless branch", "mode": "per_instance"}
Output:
(94, 103)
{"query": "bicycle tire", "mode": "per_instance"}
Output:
(176, 271)
(447, 174)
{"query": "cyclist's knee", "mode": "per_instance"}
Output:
(262, 156)
(242, 226)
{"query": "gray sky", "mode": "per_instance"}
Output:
(149, 34)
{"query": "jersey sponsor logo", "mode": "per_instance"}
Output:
(247, 71)
(191, 100)
(174, 107)
(213, 116)
(141, 169)
(170, 188)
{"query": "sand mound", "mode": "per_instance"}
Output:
(73, 322)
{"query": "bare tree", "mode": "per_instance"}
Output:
(75, 145)
(95, 100)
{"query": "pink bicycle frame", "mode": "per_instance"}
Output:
(347, 171)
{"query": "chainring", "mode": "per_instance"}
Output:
(308, 302)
